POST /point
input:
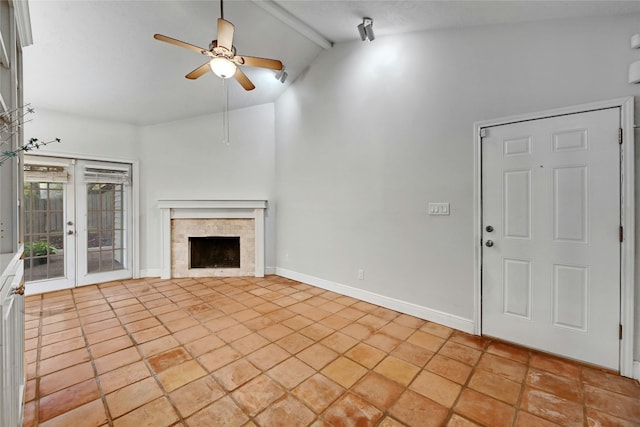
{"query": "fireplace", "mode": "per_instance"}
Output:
(214, 252)
(184, 220)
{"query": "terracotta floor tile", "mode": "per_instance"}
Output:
(415, 410)
(91, 414)
(554, 365)
(66, 377)
(372, 321)
(295, 342)
(427, 341)
(509, 369)
(555, 384)
(132, 396)
(396, 330)
(383, 342)
(203, 345)
(525, 419)
(458, 421)
(55, 327)
(350, 313)
(335, 322)
(379, 390)
(233, 333)
(268, 356)
(318, 392)
(412, 353)
(317, 356)
(60, 347)
(116, 360)
(257, 394)
(344, 371)
(159, 345)
(223, 412)
(62, 361)
(123, 376)
(236, 374)
(29, 418)
(110, 345)
(60, 336)
(437, 330)
(159, 413)
(143, 324)
(436, 388)
(291, 372)
(508, 351)
(357, 331)
(316, 331)
(469, 340)
(397, 370)
(600, 419)
(67, 399)
(612, 403)
(449, 368)
(149, 334)
(102, 325)
(495, 386)
(464, 354)
(484, 410)
(288, 411)
(166, 360)
(366, 355)
(552, 408)
(196, 395)
(105, 334)
(352, 411)
(611, 382)
(297, 322)
(219, 357)
(179, 375)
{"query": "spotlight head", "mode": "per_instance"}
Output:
(281, 75)
(366, 29)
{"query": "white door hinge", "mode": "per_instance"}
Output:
(620, 136)
(483, 132)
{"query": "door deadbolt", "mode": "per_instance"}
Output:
(489, 228)
(70, 232)
(489, 243)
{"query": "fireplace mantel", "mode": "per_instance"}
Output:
(214, 209)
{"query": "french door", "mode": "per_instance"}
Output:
(77, 222)
(551, 231)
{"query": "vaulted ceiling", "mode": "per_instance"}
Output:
(98, 58)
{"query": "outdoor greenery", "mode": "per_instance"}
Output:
(39, 249)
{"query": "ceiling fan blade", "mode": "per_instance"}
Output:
(181, 44)
(252, 61)
(243, 80)
(225, 34)
(199, 72)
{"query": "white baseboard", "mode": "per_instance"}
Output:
(452, 321)
(270, 270)
(150, 272)
(636, 370)
(44, 287)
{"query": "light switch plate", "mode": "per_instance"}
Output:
(438, 208)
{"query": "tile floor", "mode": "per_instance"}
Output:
(274, 352)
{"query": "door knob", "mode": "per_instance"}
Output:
(489, 228)
(70, 223)
(70, 232)
(489, 243)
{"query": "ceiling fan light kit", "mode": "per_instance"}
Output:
(366, 29)
(222, 67)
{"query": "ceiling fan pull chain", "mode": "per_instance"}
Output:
(225, 113)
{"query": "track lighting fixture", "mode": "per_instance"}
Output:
(366, 29)
(282, 75)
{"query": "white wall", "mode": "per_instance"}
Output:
(82, 136)
(374, 131)
(187, 160)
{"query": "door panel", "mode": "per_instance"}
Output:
(551, 192)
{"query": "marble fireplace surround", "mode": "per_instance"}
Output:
(210, 209)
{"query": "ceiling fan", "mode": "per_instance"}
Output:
(224, 62)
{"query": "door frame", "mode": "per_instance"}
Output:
(135, 204)
(627, 206)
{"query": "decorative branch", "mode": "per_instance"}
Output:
(11, 121)
(33, 144)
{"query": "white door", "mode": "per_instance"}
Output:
(551, 234)
(77, 221)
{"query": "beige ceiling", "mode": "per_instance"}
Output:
(98, 58)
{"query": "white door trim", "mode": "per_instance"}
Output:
(627, 208)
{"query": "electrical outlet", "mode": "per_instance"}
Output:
(361, 274)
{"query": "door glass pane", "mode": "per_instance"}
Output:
(105, 226)
(44, 232)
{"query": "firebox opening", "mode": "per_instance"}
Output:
(214, 252)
